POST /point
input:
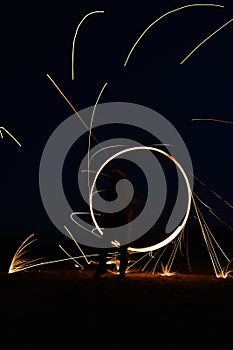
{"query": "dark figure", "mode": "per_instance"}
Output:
(102, 262)
(123, 260)
(122, 218)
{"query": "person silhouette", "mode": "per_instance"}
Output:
(113, 220)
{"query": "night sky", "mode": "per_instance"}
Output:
(36, 40)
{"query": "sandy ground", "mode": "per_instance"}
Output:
(59, 308)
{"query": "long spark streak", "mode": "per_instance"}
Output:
(49, 262)
(1, 134)
(76, 244)
(213, 120)
(212, 211)
(68, 101)
(159, 258)
(166, 271)
(76, 222)
(90, 134)
(104, 149)
(70, 104)
(219, 219)
(205, 40)
(207, 235)
(216, 194)
(75, 35)
(71, 257)
(161, 17)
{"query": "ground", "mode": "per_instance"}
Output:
(65, 306)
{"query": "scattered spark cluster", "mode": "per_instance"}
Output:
(147, 255)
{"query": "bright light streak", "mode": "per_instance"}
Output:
(178, 229)
(161, 17)
(153, 254)
(166, 270)
(214, 193)
(208, 237)
(83, 227)
(219, 219)
(1, 134)
(104, 149)
(70, 104)
(20, 262)
(205, 40)
(76, 243)
(77, 264)
(213, 212)
(76, 32)
(68, 101)
(90, 134)
(76, 222)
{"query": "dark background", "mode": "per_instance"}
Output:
(63, 307)
(36, 39)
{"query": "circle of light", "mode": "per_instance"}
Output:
(176, 232)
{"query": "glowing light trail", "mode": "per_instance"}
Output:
(161, 17)
(20, 262)
(76, 244)
(31, 265)
(212, 211)
(166, 270)
(90, 134)
(68, 101)
(208, 237)
(216, 194)
(219, 219)
(76, 32)
(178, 229)
(205, 40)
(77, 264)
(70, 104)
(1, 135)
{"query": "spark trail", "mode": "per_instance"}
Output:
(75, 35)
(90, 134)
(205, 40)
(73, 108)
(1, 135)
(161, 17)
